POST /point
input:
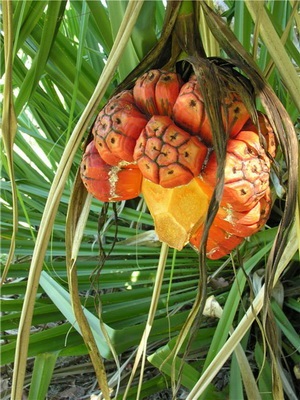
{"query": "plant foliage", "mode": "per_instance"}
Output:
(72, 272)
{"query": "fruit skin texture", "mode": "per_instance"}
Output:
(109, 183)
(117, 127)
(156, 91)
(246, 173)
(230, 228)
(189, 112)
(219, 242)
(246, 201)
(268, 137)
(168, 155)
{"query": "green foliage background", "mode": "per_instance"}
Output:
(58, 53)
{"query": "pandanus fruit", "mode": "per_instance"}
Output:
(156, 139)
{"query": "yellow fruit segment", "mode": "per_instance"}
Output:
(177, 211)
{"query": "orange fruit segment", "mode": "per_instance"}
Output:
(117, 128)
(156, 91)
(109, 183)
(168, 155)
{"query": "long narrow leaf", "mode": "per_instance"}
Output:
(277, 50)
(9, 124)
(52, 21)
(42, 373)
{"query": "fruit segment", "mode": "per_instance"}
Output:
(189, 112)
(246, 173)
(230, 228)
(268, 137)
(219, 242)
(156, 91)
(168, 155)
(176, 212)
(244, 223)
(106, 182)
(117, 128)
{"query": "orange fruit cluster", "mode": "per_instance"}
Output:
(156, 139)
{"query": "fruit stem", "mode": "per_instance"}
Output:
(186, 30)
(187, 7)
